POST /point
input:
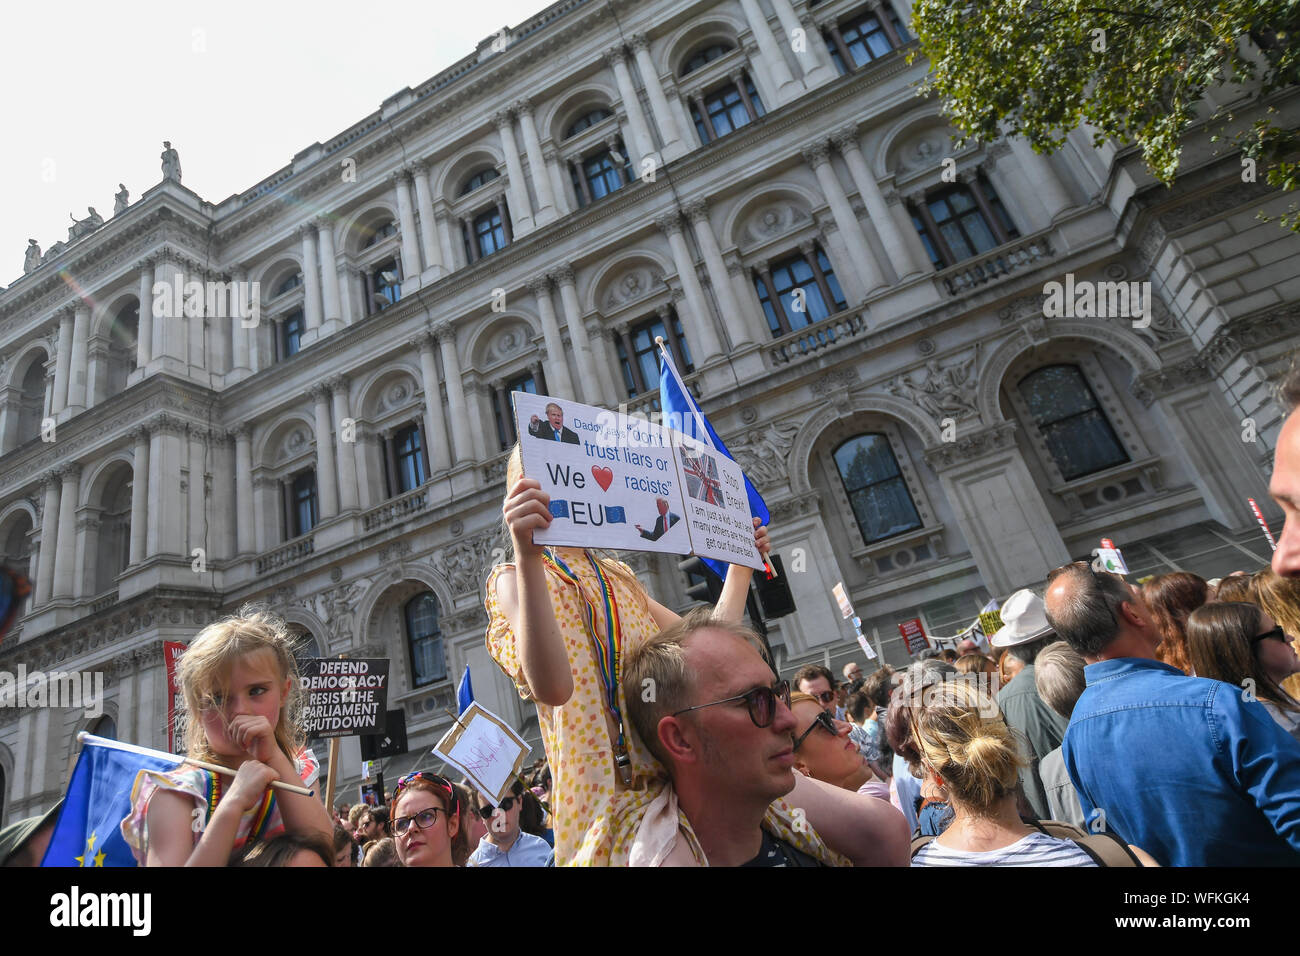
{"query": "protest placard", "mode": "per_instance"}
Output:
(914, 637)
(485, 749)
(344, 697)
(625, 483)
(842, 599)
(172, 651)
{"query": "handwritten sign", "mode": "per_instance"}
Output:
(172, 652)
(485, 749)
(344, 697)
(626, 483)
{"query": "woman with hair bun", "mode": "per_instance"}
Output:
(968, 753)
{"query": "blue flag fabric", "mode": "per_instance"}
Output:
(88, 831)
(464, 693)
(682, 413)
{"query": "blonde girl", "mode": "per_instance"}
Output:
(560, 620)
(240, 706)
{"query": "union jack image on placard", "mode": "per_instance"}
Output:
(702, 482)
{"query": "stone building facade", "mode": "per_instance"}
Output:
(860, 308)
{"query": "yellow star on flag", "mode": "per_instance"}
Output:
(99, 858)
(90, 845)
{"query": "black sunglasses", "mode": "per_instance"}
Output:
(486, 811)
(822, 720)
(761, 702)
(1277, 633)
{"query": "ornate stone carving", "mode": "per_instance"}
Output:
(1204, 207)
(815, 154)
(946, 391)
(1252, 331)
(394, 550)
(562, 274)
(846, 139)
(1163, 381)
(696, 210)
(539, 285)
(508, 342)
(841, 378)
(462, 563)
(762, 453)
(972, 446)
(633, 284)
(783, 512)
(774, 220)
(336, 607)
(669, 222)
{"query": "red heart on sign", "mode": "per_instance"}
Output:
(604, 477)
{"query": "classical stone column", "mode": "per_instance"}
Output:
(559, 190)
(770, 59)
(642, 142)
(697, 211)
(311, 283)
(49, 539)
(742, 287)
(521, 208)
(326, 471)
(669, 131)
(244, 505)
(433, 258)
(558, 367)
(347, 457)
(811, 54)
(589, 384)
(605, 358)
(546, 209)
(196, 320)
(896, 246)
(140, 494)
(240, 337)
(329, 276)
(197, 490)
(457, 409)
(442, 216)
(435, 419)
(64, 361)
(479, 399)
(77, 365)
(169, 318)
(411, 264)
(1041, 177)
(144, 327)
(700, 320)
(268, 506)
(165, 523)
(65, 555)
(864, 262)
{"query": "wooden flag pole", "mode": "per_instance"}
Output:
(217, 768)
(332, 777)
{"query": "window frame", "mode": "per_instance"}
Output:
(775, 310)
(630, 372)
(295, 501)
(987, 207)
(901, 476)
(435, 637)
(1099, 398)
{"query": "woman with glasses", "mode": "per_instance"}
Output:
(823, 750)
(505, 843)
(561, 620)
(425, 820)
(1240, 644)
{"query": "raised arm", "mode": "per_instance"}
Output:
(867, 830)
(525, 601)
(735, 590)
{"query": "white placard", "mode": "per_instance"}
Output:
(842, 599)
(485, 749)
(1111, 560)
(625, 483)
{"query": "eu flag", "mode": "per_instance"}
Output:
(464, 693)
(682, 413)
(88, 831)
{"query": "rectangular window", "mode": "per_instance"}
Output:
(727, 110)
(802, 300)
(291, 329)
(489, 233)
(641, 368)
(409, 452)
(505, 412)
(303, 496)
(388, 285)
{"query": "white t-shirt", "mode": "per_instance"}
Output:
(1036, 849)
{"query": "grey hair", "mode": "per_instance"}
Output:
(1058, 675)
(1087, 618)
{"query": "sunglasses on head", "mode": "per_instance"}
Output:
(761, 702)
(442, 783)
(487, 810)
(822, 720)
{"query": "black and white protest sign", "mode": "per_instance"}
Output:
(344, 697)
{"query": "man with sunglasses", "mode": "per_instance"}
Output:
(505, 844)
(1194, 771)
(707, 704)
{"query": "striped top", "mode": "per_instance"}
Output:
(1036, 849)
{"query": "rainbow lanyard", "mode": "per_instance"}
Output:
(607, 651)
(260, 822)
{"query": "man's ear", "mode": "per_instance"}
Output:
(677, 743)
(1133, 614)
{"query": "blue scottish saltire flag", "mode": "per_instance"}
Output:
(682, 413)
(464, 693)
(88, 831)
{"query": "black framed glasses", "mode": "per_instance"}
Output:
(486, 811)
(424, 819)
(1277, 633)
(761, 702)
(822, 720)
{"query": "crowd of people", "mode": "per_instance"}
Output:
(1111, 724)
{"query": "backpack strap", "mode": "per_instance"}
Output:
(1106, 849)
(919, 843)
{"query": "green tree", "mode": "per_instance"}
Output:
(1134, 70)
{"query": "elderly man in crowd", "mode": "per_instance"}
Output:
(721, 725)
(1192, 770)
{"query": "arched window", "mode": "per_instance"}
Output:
(1067, 413)
(424, 638)
(379, 234)
(32, 402)
(122, 351)
(105, 727)
(586, 120)
(481, 177)
(708, 54)
(113, 549)
(288, 283)
(875, 486)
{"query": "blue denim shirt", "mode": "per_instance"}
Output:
(1183, 767)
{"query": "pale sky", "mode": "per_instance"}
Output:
(89, 91)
